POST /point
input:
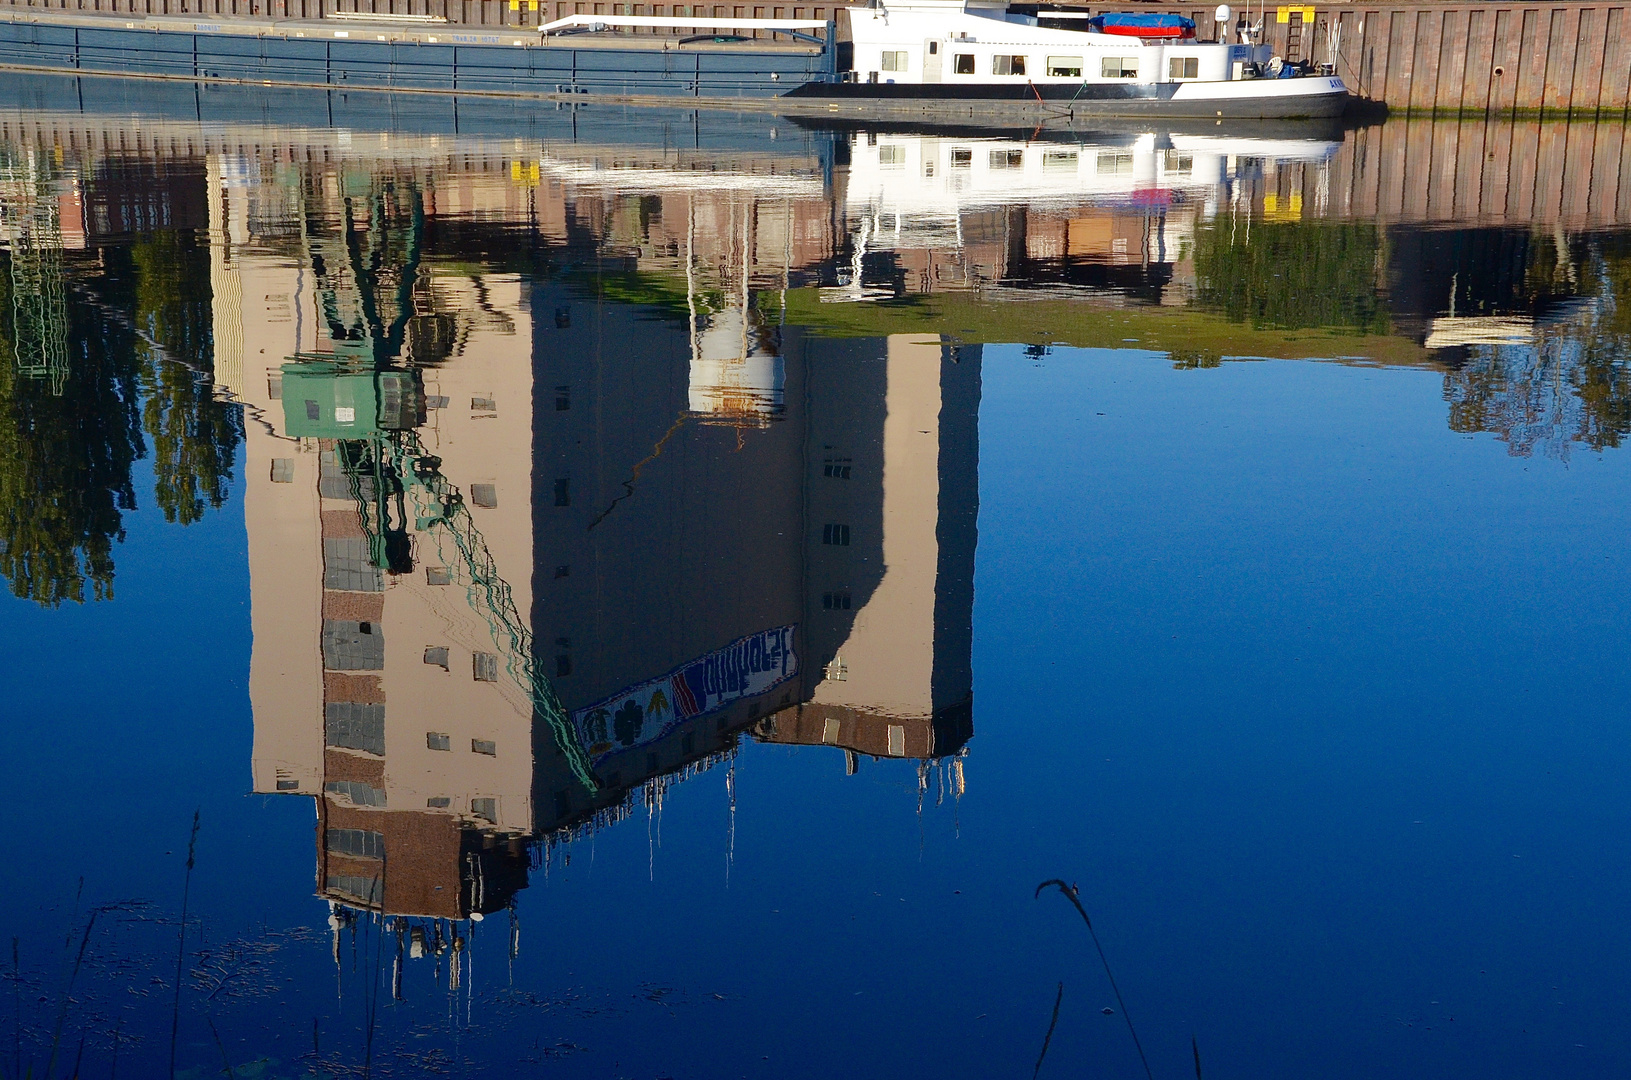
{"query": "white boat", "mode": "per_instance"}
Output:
(978, 55)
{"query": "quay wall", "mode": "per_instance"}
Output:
(1467, 172)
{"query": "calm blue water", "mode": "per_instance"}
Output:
(1316, 692)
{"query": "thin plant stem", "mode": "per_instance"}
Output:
(226, 1062)
(17, 1000)
(68, 990)
(1048, 1038)
(1070, 894)
(181, 944)
(73, 915)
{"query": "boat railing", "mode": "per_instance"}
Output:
(794, 28)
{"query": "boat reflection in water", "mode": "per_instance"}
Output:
(522, 558)
(1113, 211)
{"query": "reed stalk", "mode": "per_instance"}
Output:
(1071, 895)
(181, 944)
(68, 991)
(1048, 1038)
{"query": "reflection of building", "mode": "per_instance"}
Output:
(898, 683)
(370, 609)
(845, 527)
(523, 554)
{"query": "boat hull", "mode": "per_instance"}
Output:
(363, 56)
(1259, 99)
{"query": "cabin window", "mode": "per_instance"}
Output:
(1181, 164)
(961, 157)
(1119, 67)
(889, 157)
(963, 63)
(1183, 67)
(1113, 163)
(1007, 159)
(894, 61)
(934, 48)
(1007, 65)
(1059, 159)
(1065, 67)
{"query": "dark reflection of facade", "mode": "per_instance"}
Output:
(829, 498)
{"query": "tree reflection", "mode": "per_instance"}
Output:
(65, 462)
(1291, 275)
(195, 435)
(1572, 384)
(139, 350)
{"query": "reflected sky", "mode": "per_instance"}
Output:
(656, 602)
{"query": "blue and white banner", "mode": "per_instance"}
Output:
(646, 712)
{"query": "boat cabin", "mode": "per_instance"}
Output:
(981, 42)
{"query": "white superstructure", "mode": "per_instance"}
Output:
(977, 50)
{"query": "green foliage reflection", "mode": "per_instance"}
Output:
(1572, 384)
(139, 349)
(1292, 275)
(195, 435)
(65, 462)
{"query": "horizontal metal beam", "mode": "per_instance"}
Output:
(386, 17)
(682, 21)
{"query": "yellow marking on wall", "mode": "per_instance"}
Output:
(1291, 211)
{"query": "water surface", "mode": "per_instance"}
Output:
(653, 594)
